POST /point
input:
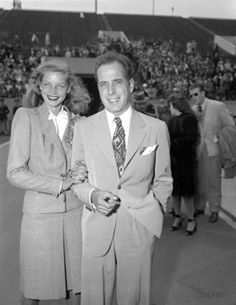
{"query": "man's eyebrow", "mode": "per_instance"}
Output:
(102, 82)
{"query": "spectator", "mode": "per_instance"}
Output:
(184, 136)
(212, 116)
(47, 40)
(4, 110)
(16, 106)
(34, 40)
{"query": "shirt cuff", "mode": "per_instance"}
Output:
(92, 205)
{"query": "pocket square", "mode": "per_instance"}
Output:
(147, 150)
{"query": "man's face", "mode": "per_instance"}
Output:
(197, 97)
(114, 89)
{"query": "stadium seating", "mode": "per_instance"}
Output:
(75, 28)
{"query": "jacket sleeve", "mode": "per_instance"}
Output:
(18, 171)
(82, 190)
(163, 183)
(224, 116)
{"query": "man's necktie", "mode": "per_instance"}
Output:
(118, 143)
(199, 108)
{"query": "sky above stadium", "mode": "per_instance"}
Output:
(184, 8)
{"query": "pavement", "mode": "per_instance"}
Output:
(196, 270)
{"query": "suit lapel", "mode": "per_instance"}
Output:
(206, 116)
(48, 128)
(102, 137)
(66, 146)
(136, 135)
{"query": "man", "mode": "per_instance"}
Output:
(213, 116)
(126, 199)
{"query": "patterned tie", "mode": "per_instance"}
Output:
(118, 143)
(199, 108)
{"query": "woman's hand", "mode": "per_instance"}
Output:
(79, 174)
(67, 183)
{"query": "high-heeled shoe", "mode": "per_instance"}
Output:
(191, 227)
(177, 222)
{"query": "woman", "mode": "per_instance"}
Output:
(39, 161)
(184, 136)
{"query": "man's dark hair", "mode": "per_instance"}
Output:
(110, 57)
(197, 84)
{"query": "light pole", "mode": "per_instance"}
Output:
(96, 6)
(153, 7)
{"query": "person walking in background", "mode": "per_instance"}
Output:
(213, 116)
(39, 161)
(17, 105)
(127, 156)
(47, 40)
(4, 110)
(184, 136)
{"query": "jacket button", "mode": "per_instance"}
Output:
(119, 187)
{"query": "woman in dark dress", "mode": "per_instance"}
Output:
(184, 136)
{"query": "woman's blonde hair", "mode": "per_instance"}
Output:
(78, 93)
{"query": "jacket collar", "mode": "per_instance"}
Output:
(48, 128)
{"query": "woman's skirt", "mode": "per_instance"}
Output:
(50, 254)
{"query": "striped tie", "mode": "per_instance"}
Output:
(118, 143)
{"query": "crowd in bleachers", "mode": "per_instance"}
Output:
(162, 66)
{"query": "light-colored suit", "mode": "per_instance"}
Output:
(37, 162)
(214, 117)
(143, 188)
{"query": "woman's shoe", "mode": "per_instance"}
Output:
(177, 222)
(191, 227)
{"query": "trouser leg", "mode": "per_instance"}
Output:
(214, 183)
(98, 278)
(201, 183)
(134, 246)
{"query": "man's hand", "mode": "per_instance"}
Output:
(106, 203)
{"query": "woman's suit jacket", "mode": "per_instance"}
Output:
(38, 160)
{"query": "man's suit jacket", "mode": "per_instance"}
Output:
(214, 118)
(38, 160)
(144, 186)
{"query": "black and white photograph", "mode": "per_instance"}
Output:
(117, 152)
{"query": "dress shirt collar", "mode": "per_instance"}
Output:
(203, 105)
(60, 121)
(61, 114)
(125, 118)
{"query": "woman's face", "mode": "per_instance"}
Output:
(54, 88)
